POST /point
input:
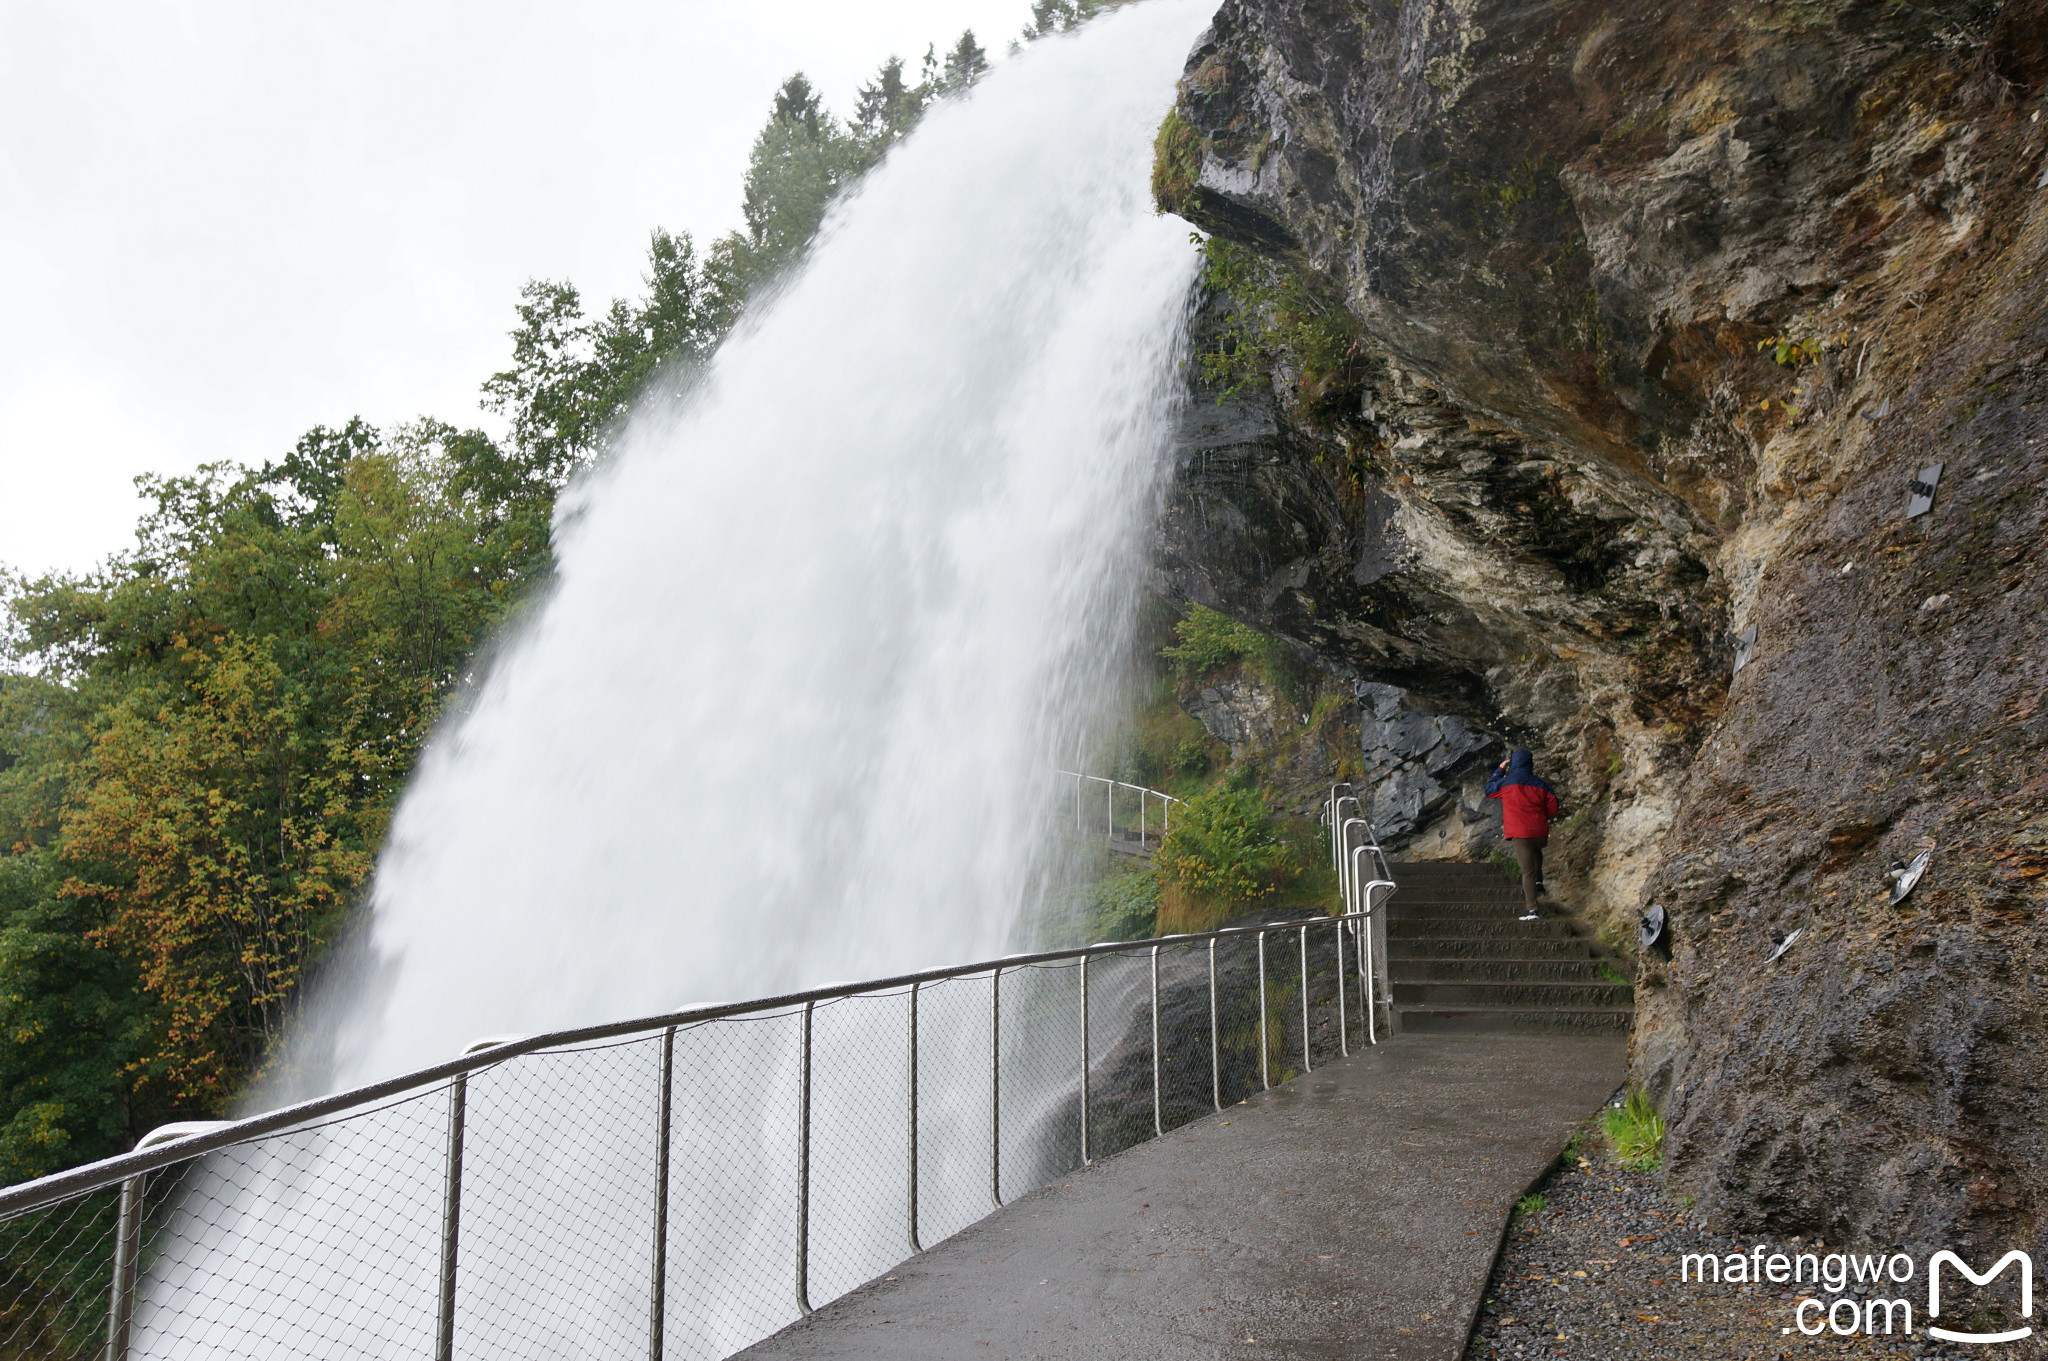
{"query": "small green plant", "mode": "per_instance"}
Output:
(1635, 1132)
(1531, 1204)
(1126, 904)
(1792, 352)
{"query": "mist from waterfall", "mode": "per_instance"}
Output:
(821, 630)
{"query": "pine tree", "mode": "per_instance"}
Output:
(887, 108)
(965, 64)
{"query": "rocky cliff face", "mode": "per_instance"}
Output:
(1651, 314)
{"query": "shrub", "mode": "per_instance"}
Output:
(1223, 851)
(1209, 639)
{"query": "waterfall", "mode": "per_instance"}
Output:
(820, 629)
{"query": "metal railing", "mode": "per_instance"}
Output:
(1109, 801)
(1352, 841)
(681, 1184)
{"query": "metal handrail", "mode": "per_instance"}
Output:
(108, 1172)
(1166, 802)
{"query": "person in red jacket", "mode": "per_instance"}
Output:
(1527, 804)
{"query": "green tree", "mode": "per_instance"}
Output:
(887, 108)
(211, 731)
(965, 64)
(219, 852)
(800, 161)
(573, 378)
(75, 1028)
(1060, 16)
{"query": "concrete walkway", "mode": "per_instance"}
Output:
(1354, 1212)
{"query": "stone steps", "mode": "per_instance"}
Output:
(1490, 928)
(1500, 993)
(1461, 960)
(1482, 910)
(1530, 948)
(1511, 1021)
(1482, 969)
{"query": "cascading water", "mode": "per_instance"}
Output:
(820, 632)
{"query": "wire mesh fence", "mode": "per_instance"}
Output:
(677, 1187)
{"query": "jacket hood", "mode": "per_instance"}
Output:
(1522, 770)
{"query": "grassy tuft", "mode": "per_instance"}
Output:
(1176, 164)
(1635, 1132)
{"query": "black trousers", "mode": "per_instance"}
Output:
(1529, 855)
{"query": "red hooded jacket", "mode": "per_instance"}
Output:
(1526, 803)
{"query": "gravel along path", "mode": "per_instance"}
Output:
(1594, 1272)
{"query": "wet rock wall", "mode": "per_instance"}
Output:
(1658, 310)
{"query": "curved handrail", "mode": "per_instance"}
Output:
(1358, 892)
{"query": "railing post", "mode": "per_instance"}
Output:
(127, 1245)
(657, 1315)
(1109, 807)
(1084, 1060)
(1156, 1128)
(1265, 1077)
(1365, 980)
(995, 1085)
(1215, 1033)
(1343, 1020)
(803, 1174)
(1376, 960)
(915, 1246)
(451, 1218)
(1307, 1066)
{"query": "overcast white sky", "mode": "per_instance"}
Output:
(225, 221)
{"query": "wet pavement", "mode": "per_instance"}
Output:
(1353, 1212)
